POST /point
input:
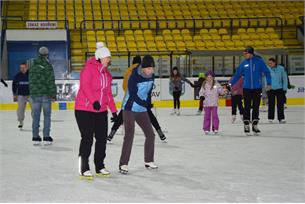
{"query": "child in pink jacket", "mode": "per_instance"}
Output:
(210, 90)
(93, 99)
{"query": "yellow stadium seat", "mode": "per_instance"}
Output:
(259, 44)
(268, 43)
(260, 30)
(251, 30)
(254, 36)
(200, 45)
(149, 37)
(226, 37)
(263, 36)
(213, 31)
(241, 30)
(223, 31)
(138, 32)
(216, 37)
(168, 37)
(170, 45)
(278, 43)
(190, 45)
(220, 45)
(270, 30)
(206, 37)
(204, 31)
(187, 38)
(147, 32)
(273, 36)
(239, 44)
(210, 45)
(197, 38)
(244, 37)
(235, 37)
(229, 44)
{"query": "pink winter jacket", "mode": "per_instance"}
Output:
(211, 95)
(237, 89)
(95, 85)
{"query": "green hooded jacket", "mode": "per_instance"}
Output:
(41, 78)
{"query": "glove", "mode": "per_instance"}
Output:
(96, 106)
(202, 98)
(228, 87)
(15, 98)
(192, 85)
(114, 117)
(151, 105)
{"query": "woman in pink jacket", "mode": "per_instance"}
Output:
(210, 90)
(93, 98)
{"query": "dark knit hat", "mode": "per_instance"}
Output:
(210, 72)
(148, 61)
(249, 50)
(136, 60)
(175, 68)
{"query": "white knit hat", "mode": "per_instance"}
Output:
(101, 51)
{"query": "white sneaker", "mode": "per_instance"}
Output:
(123, 169)
(103, 172)
(86, 175)
(270, 121)
(233, 118)
(178, 112)
(150, 165)
(173, 112)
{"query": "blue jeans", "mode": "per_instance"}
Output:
(43, 102)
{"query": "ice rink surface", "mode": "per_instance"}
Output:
(193, 167)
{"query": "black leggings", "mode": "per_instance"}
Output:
(176, 95)
(152, 118)
(237, 102)
(92, 124)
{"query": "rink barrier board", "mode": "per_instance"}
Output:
(157, 104)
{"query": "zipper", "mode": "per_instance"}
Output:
(251, 73)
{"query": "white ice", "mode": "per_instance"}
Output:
(193, 167)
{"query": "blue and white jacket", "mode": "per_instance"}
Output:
(21, 84)
(278, 78)
(252, 70)
(138, 95)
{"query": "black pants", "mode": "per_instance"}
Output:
(92, 124)
(152, 118)
(252, 99)
(177, 95)
(237, 102)
(201, 104)
(279, 94)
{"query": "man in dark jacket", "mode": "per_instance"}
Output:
(252, 69)
(42, 91)
(21, 92)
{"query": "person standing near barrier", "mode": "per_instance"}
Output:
(279, 86)
(42, 92)
(252, 69)
(21, 92)
(93, 99)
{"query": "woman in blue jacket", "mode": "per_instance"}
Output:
(278, 87)
(252, 70)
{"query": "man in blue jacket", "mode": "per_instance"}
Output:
(21, 92)
(278, 87)
(252, 69)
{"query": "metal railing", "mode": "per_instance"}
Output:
(159, 24)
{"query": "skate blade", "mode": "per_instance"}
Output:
(123, 172)
(47, 143)
(37, 144)
(89, 178)
(103, 175)
(248, 134)
(151, 168)
(256, 134)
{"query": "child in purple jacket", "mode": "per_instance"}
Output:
(211, 90)
(236, 98)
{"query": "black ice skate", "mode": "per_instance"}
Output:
(247, 129)
(161, 135)
(36, 140)
(47, 140)
(255, 130)
(111, 135)
(20, 124)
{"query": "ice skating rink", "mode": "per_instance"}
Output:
(193, 167)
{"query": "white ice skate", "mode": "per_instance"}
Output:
(178, 112)
(123, 169)
(206, 132)
(233, 118)
(242, 117)
(199, 112)
(282, 121)
(150, 165)
(103, 173)
(173, 112)
(86, 175)
(215, 132)
(270, 121)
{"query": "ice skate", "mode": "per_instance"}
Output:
(36, 141)
(150, 165)
(47, 140)
(255, 130)
(247, 129)
(282, 121)
(178, 112)
(20, 124)
(161, 135)
(173, 112)
(233, 118)
(206, 132)
(103, 173)
(215, 132)
(123, 169)
(242, 117)
(199, 112)
(111, 135)
(270, 120)
(86, 175)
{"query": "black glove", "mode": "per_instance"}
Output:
(192, 85)
(96, 106)
(114, 117)
(151, 105)
(202, 98)
(228, 87)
